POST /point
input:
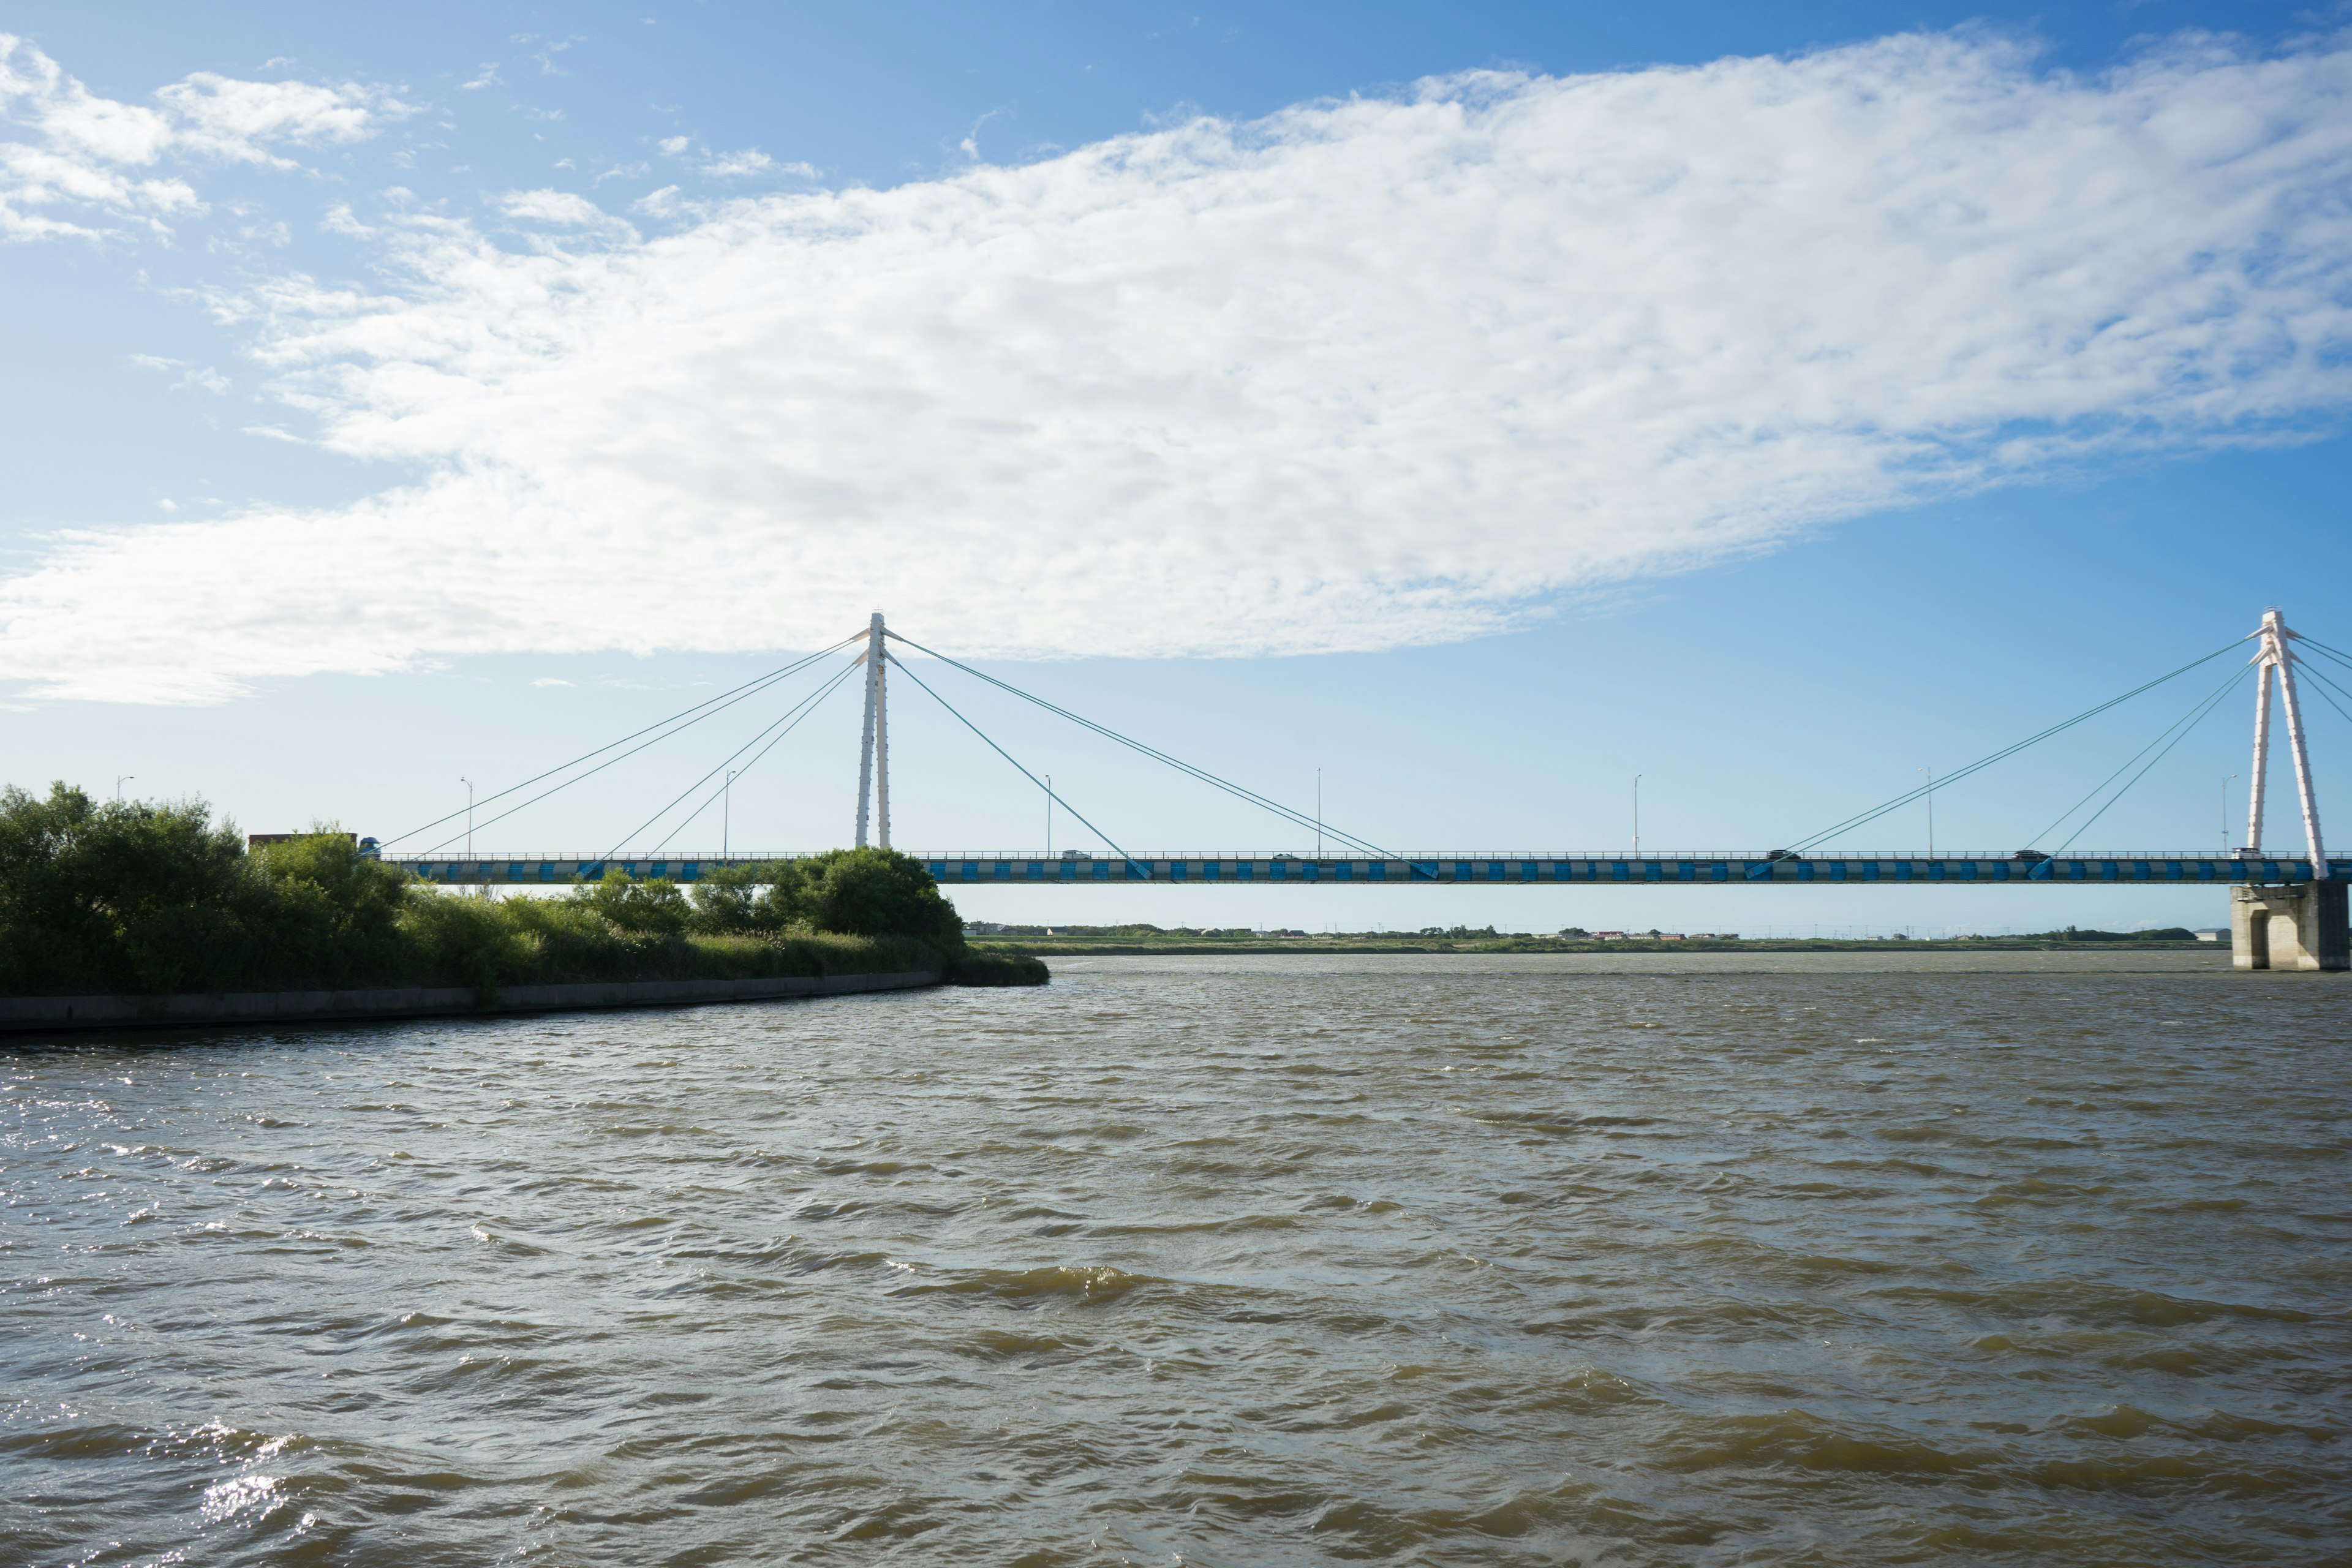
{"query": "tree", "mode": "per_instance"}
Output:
(879, 892)
(653, 907)
(124, 896)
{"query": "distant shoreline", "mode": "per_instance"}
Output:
(1081, 947)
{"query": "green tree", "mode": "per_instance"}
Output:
(124, 895)
(337, 913)
(879, 892)
(769, 897)
(651, 907)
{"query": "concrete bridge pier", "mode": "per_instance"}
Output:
(2295, 927)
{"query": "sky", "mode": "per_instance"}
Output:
(1463, 411)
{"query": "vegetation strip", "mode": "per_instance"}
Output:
(152, 899)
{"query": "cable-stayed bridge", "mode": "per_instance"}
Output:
(1487, 868)
(2288, 908)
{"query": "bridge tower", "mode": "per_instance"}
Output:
(2286, 925)
(874, 754)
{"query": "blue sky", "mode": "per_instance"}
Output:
(1482, 404)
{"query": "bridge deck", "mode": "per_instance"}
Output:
(1519, 869)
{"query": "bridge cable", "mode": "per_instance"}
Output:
(1295, 818)
(744, 690)
(2196, 711)
(747, 767)
(2316, 673)
(625, 756)
(1955, 777)
(795, 713)
(2326, 652)
(2338, 654)
(2179, 732)
(1001, 751)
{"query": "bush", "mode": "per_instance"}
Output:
(999, 969)
(122, 897)
(877, 892)
(650, 908)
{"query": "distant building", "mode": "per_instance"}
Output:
(2213, 933)
(1670, 936)
(1609, 936)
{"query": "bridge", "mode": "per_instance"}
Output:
(2288, 910)
(1000, 868)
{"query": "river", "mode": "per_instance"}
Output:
(2003, 1259)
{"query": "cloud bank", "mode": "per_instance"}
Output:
(72, 163)
(1361, 375)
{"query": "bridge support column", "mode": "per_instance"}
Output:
(873, 748)
(2303, 927)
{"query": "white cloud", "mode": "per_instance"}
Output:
(231, 119)
(197, 377)
(674, 145)
(1361, 375)
(563, 209)
(486, 77)
(550, 206)
(68, 157)
(734, 165)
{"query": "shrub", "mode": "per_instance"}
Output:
(879, 892)
(123, 897)
(997, 969)
(654, 907)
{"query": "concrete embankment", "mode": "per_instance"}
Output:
(60, 1015)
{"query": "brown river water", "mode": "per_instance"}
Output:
(2002, 1259)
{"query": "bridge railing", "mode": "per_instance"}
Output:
(713, 856)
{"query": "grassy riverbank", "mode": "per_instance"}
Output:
(147, 899)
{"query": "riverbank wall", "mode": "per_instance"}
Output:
(23, 1015)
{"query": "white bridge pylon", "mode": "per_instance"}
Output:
(2276, 657)
(874, 753)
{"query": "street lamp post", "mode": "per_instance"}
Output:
(2225, 812)
(121, 779)
(727, 815)
(1049, 817)
(1637, 814)
(1319, 813)
(470, 816)
(1931, 811)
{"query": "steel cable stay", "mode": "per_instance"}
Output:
(625, 756)
(2179, 732)
(789, 719)
(2326, 652)
(1295, 818)
(2338, 654)
(1008, 756)
(754, 762)
(2321, 676)
(1910, 795)
(725, 699)
(2197, 711)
